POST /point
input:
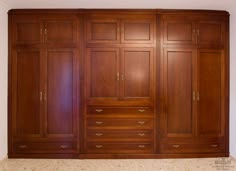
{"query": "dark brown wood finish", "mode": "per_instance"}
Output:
(118, 83)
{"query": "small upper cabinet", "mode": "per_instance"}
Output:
(53, 29)
(27, 29)
(137, 31)
(179, 32)
(103, 31)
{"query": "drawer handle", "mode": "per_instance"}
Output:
(141, 122)
(141, 134)
(99, 146)
(141, 110)
(64, 146)
(99, 122)
(176, 146)
(23, 146)
(99, 134)
(98, 110)
(214, 145)
(141, 146)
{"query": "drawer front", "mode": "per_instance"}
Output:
(119, 148)
(174, 148)
(44, 147)
(120, 124)
(121, 111)
(119, 136)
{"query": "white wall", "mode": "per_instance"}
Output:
(178, 4)
(3, 80)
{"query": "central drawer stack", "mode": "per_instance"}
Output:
(119, 130)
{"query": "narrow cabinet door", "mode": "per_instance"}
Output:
(137, 73)
(102, 70)
(27, 92)
(179, 32)
(211, 107)
(179, 92)
(60, 92)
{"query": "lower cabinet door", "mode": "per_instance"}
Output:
(45, 147)
(120, 148)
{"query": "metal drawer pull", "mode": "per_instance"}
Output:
(98, 110)
(141, 122)
(141, 110)
(99, 134)
(141, 146)
(141, 134)
(64, 146)
(99, 146)
(23, 146)
(99, 122)
(176, 146)
(214, 145)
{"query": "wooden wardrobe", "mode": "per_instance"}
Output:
(118, 83)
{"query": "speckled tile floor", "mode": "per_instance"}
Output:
(206, 164)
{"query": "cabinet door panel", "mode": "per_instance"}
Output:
(60, 31)
(27, 111)
(27, 29)
(137, 74)
(60, 92)
(179, 32)
(103, 31)
(137, 31)
(211, 95)
(103, 65)
(211, 32)
(178, 88)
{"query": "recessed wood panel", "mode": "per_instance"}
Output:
(210, 92)
(211, 32)
(60, 91)
(179, 32)
(28, 117)
(178, 86)
(137, 31)
(103, 31)
(60, 31)
(103, 72)
(137, 72)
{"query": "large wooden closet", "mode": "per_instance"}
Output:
(118, 83)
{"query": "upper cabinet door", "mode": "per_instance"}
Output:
(137, 73)
(179, 32)
(27, 94)
(102, 73)
(137, 31)
(27, 30)
(60, 92)
(60, 31)
(103, 31)
(211, 105)
(211, 32)
(179, 96)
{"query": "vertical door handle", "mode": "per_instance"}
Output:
(41, 96)
(45, 96)
(198, 96)
(118, 76)
(122, 77)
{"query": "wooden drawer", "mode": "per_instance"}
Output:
(119, 136)
(44, 147)
(120, 124)
(121, 111)
(120, 148)
(175, 148)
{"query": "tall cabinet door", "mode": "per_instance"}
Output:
(179, 96)
(27, 92)
(137, 73)
(211, 107)
(60, 92)
(102, 73)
